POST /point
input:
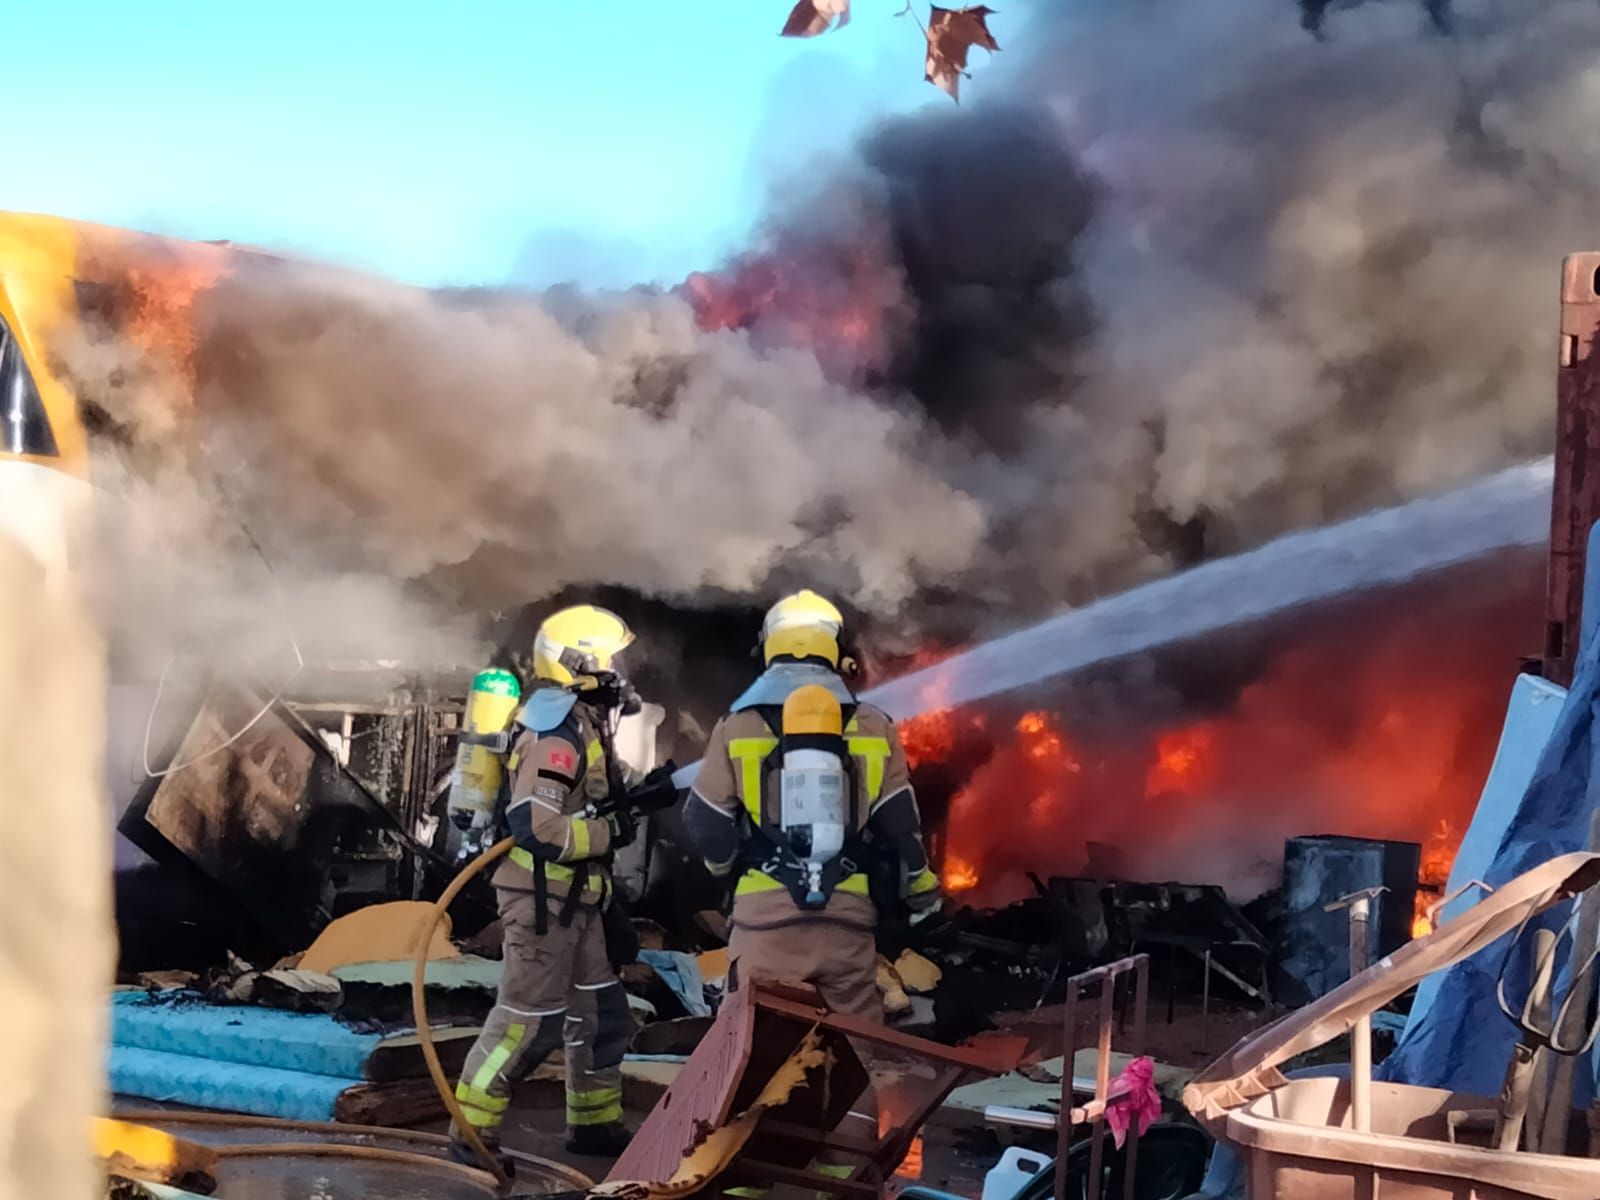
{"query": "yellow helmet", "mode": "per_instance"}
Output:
(578, 641)
(803, 625)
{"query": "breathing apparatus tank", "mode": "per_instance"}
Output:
(813, 797)
(475, 783)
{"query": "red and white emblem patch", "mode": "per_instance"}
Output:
(564, 760)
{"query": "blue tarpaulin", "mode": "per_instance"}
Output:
(681, 973)
(1458, 1038)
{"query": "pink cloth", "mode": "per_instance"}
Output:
(1132, 1097)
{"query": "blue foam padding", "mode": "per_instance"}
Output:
(224, 1086)
(261, 1037)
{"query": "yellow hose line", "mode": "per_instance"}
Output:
(419, 1006)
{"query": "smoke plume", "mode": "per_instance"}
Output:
(1191, 277)
(395, 454)
(1179, 278)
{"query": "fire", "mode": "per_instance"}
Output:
(1438, 855)
(835, 300)
(161, 316)
(958, 876)
(1042, 743)
(1380, 726)
(1183, 761)
(146, 292)
(929, 736)
(911, 1166)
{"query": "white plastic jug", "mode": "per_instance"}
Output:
(1015, 1168)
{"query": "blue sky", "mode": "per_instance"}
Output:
(488, 140)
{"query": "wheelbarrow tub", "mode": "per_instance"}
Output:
(1296, 1142)
(1295, 1137)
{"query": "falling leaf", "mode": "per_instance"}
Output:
(811, 17)
(952, 32)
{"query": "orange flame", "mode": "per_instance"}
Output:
(1382, 728)
(161, 317)
(928, 737)
(911, 1166)
(1438, 856)
(836, 301)
(1183, 761)
(958, 876)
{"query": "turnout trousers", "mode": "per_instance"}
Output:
(558, 988)
(840, 961)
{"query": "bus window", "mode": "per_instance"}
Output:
(24, 428)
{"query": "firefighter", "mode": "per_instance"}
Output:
(799, 783)
(554, 888)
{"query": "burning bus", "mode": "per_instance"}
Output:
(59, 279)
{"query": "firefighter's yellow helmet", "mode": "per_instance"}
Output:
(578, 641)
(802, 626)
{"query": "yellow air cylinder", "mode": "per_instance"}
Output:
(476, 782)
(812, 789)
(812, 709)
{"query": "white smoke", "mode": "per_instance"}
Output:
(1196, 279)
(1323, 274)
(399, 454)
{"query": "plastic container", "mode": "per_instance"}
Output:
(1296, 1143)
(1016, 1166)
(1296, 1138)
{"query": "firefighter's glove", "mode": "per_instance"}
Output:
(655, 791)
(624, 827)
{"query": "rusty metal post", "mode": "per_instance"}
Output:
(1094, 1113)
(1102, 1084)
(1575, 498)
(1141, 997)
(1069, 1052)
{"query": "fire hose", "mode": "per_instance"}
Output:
(419, 1006)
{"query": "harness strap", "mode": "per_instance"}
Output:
(541, 898)
(569, 906)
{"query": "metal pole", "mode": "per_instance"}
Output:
(1361, 1035)
(1102, 1086)
(1069, 1052)
(1172, 982)
(1558, 1109)
(1141, 996)
(1360, 906)
(1544, 953)
(1205, 1001)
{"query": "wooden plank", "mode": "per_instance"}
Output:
(701, 1096)
(400, 1058)
(407, 1102)
(991, 1062)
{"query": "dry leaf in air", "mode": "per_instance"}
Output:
(952, 32)
(811, 17)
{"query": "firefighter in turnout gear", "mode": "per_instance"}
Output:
(799, 783)
(554, 889)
